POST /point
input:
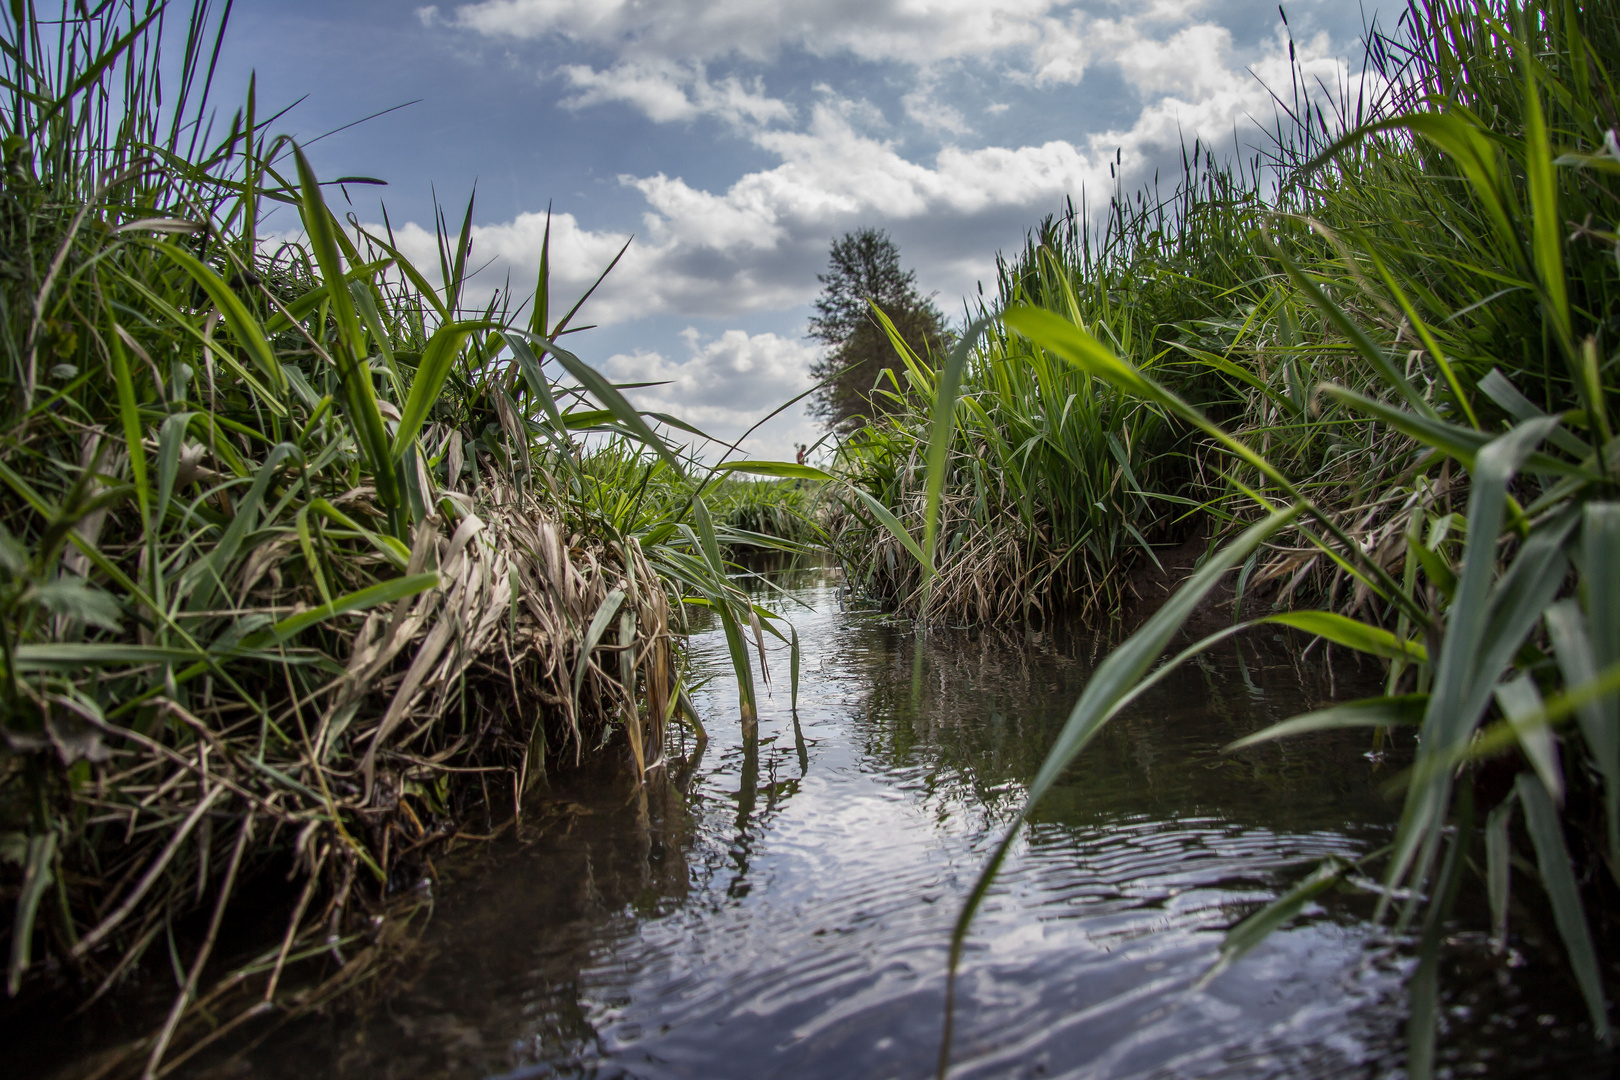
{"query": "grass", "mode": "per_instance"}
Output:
(1380, 356)
(306, 563)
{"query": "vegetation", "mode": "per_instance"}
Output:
(305, 564)
(1383, 356)
(778, 509)
(866, 292)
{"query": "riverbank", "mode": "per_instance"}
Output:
(1375, 358)
(311, 567)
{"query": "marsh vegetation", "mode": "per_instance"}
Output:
(314, 569)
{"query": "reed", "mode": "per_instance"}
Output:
(306, 563)
(1401, 403)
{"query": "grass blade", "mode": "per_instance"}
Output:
(1558, 878)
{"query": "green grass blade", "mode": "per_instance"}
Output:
(1400, 711)
(1577, 661)
(1274, 916)
(892, 524)
(1109, 686)
(243, 326)
(1342, 630)
(1521, 702)
(37, 876)
(1546, 227)
(386, 592)
(1558, 878)
(600, 622)
(438, 358)
(130, 413)
(608, 394)
(782, 469)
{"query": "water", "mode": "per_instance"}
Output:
(785, 912)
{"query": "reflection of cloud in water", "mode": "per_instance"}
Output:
(789, 916)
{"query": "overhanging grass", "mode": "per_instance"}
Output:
(304, 561)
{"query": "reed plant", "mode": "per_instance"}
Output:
(308, 564)
(1410, 394)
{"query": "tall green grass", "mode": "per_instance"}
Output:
(306, 561)
(1392, 377)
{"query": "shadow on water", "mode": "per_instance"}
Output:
(780, 907)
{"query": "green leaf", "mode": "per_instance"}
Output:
(37, 876)
(1351, 328)
(1521, 703)
(243, 326)
(282, 320)
(1558, 878)
(608, 394)
(1435, 567)
(892, 524)
(784, 469)
(382, 593)
(1454, 440)
(361, 396)
(1600, 582)
(437, 359)
(736, 642)
(171, 441)
(1259, 926)
(1499, 389)
(1577, 661)
(129, 412)
(1546, 227)
(76, 598)
(593, 637)
(74, 655)
(1342, 630)
(1368, 712)
(1462, 682)
(1108, 689)
(534, 375)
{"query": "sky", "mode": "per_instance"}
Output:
(731, 141)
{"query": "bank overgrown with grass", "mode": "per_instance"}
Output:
(1378, 362)
(307, 566)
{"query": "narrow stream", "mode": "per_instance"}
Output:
(786, 913)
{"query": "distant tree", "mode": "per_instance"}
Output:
(863, 265)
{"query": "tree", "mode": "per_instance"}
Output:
(865, 265)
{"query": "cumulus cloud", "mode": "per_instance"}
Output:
(923, 105)
(725, 384)
(915, 31)
(756, 244)
(665, 91)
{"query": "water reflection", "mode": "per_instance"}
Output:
(778, 906)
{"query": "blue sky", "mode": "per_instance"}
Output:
(736, 138)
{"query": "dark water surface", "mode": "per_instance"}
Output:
(785, 913)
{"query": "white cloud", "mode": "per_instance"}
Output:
(913, 31)
(725, 385)
(923, 105)
(665, 91)
(757, 244)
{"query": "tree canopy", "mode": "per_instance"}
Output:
(863, 266)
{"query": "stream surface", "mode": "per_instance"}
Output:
(786, 912)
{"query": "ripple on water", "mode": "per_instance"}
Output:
(789, 916)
